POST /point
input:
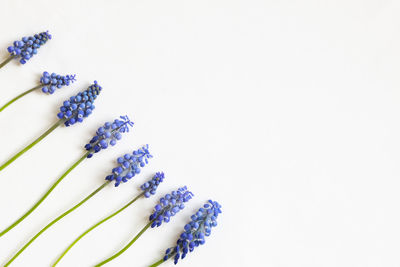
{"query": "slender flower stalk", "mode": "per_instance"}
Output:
(40, 138)
(5, 62)
(26, 48)
(19, 96)
(49, 84)
(194, 232)
(136, 159)
(115, 129)
(168, 206)
(73, 110)
(149, 188)
(144, 229)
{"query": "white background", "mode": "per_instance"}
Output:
(286, 112)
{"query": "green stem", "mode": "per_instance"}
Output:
(157, 263)
(126, 247)
(56, 220)
(52, 128)
(162, 260)
(6, 61)
(94, 226)
(19, 96)
(44, 196)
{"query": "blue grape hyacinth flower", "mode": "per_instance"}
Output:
(80, 106)
(108, 135)
(49, 84)
(148, 189)
(129, 165)
(27, 47)
(195, 232)
(168, 206)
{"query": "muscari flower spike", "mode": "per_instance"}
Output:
(129, 165)
(52, 82)
(108, 135)
(195, 232)
(149, 188)
(169, 205)
(80, 106)
(27, 47)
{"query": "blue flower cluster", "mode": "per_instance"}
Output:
(195, 231)
(108, 135)
(149, 188)
(169, 205)
(53, 81)
(129, 165)
(80, 106)
(28, 46)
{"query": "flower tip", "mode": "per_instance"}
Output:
(160, 175)
(150, 187)
(127, 121)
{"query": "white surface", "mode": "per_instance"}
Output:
(286, 112)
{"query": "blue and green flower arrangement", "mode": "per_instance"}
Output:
(75, 110)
